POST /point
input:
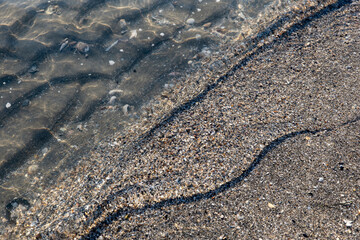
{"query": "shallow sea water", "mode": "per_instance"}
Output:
(75, 72)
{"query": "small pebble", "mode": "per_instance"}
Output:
(190, 21)
(26, 102)
(341, 166)
(133, 34)
(82, 47)
(32, 169)
(33, 69)
(111, 62)
(122, 23)
(8, 105)
(207, 25)
(112, 100)
(44, 150)
(125, 109)
(348, 223)
(270, 205)
(222, 30)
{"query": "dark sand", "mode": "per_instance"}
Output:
(268, 150)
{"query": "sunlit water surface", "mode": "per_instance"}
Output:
(74, 72)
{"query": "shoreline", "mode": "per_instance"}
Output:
(95, 104)
(278, 98)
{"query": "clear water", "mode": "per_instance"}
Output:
(73, 72)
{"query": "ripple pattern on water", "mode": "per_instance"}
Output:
(73, 72)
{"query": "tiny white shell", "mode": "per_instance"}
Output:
(133, 34)
(112, 100)
(125, 109)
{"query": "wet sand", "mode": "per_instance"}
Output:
(74, 72)
(267, 149)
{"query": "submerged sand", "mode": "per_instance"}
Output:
(267, 149)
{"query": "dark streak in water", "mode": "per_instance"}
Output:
(23, 23)
(7, 79)
(81, 78)
(39, 137)
(88, 6)
(40, 56)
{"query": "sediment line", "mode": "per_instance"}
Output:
(247, 56)
(96, 231)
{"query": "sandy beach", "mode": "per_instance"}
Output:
(268, 149)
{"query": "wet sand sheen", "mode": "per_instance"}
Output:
(75, 72)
